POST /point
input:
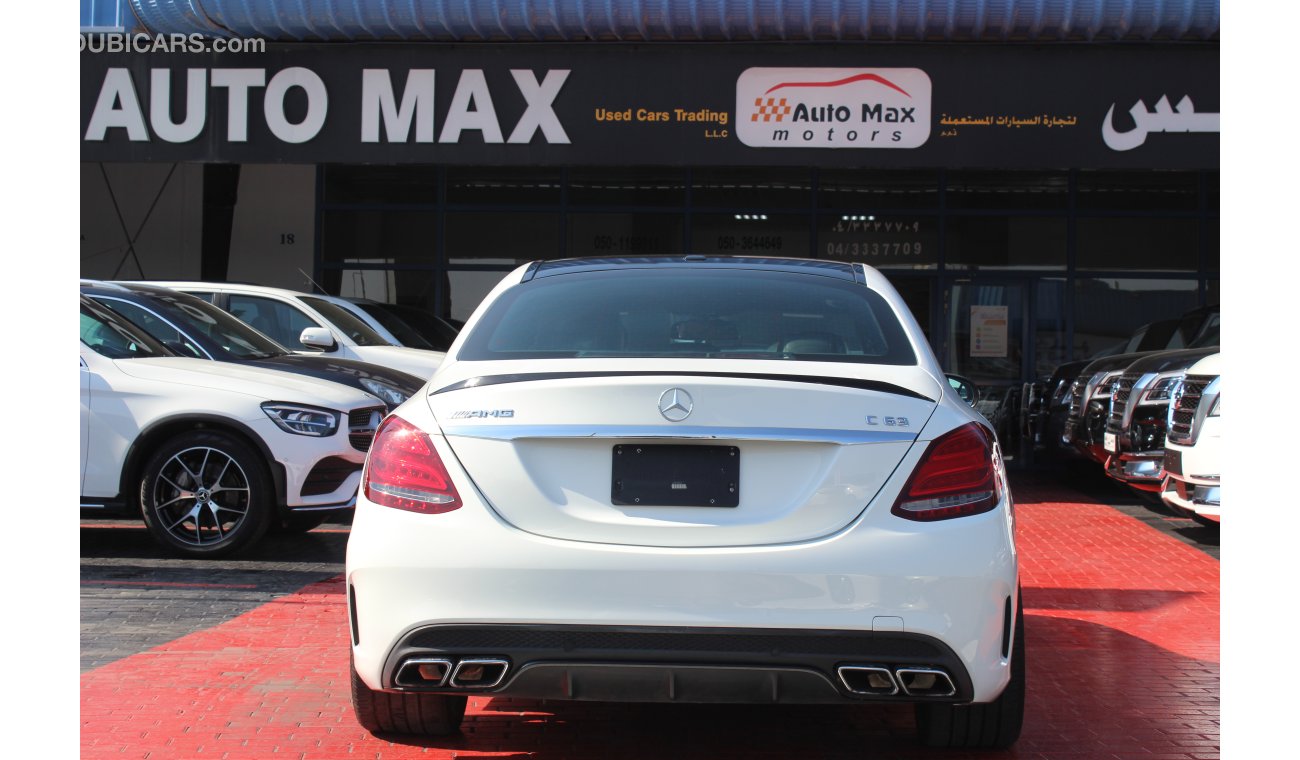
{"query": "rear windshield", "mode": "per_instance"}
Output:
(715, 314)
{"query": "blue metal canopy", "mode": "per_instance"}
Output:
(683, 20)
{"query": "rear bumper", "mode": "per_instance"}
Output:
(659, 664)
(948, 582)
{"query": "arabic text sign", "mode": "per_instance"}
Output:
(988, 331)
(1165, 118)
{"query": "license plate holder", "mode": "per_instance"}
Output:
(675, 475)
(1110, 443)
(1173, 463)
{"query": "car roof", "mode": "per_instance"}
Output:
(837, 269)
(217, 286)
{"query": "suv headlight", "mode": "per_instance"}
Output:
(387, 393)
(302, 420)
(1161, 391)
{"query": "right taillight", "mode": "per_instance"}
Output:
(405, 472)
(957, 477)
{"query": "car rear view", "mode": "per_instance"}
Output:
(688, 480)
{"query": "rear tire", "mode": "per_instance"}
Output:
(995, 725)
(381, 712)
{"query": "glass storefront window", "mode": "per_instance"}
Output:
(627, 187)
(378, 237)
(624, 234)
(504, 186)
(884, 241)
(750, 234)
(1107, 311)
(1007, 190)
(1139, 191)
(408, 287)
(1127, 242)
(861, 192)
(1050, 347)
(1006, 242)
(468, 289)
(379, 184)
(511, 236)
(752, 188)
(1212, 245)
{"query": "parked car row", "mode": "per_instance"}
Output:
(1136, 413)
(213, 432)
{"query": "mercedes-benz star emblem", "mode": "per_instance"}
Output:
(676, 404)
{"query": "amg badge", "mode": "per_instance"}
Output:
(483, 413)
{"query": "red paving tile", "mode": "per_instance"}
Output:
(1122, 627)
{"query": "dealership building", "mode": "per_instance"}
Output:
(1038, 178)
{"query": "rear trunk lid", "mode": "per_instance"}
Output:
(550, 445)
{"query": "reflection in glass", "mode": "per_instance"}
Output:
(624, 234)
(503, 185)
(1007, 190)
(752, 188)
(1149, 243)
(1006, 242)
(1107, 311)
(627, 187)
(388, 237)
(1139, 190)
(750, 234)
(855, 190)
(885, 241)
(513, 236)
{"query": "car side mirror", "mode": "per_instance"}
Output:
(965, 388)
(318, 337)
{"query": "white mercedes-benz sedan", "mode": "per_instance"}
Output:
(688, 479)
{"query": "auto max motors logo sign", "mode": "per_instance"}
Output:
(833, 108)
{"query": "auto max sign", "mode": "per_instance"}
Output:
(833, 108)
(831, 105)
(408, 118)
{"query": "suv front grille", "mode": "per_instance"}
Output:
(1075, 402)
(1119, 401)
(1182, 412)
(362, 424)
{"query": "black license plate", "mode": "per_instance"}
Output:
(669, 475)
(1173, 462)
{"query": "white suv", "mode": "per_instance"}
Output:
(1192, 462)
(311, 324)
(210, 454)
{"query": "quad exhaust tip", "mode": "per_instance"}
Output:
(438, 672)
(479, 673)
(878, 681)
(925, 682)
(423, 671)
(864, 679)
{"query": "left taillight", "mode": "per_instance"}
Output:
(957, 476)
(404, 471)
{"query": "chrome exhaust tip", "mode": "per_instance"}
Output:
(925, 682)
(478, 673)
(865, 679)
(423, 671)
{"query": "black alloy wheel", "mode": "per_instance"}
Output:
(206, 493)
